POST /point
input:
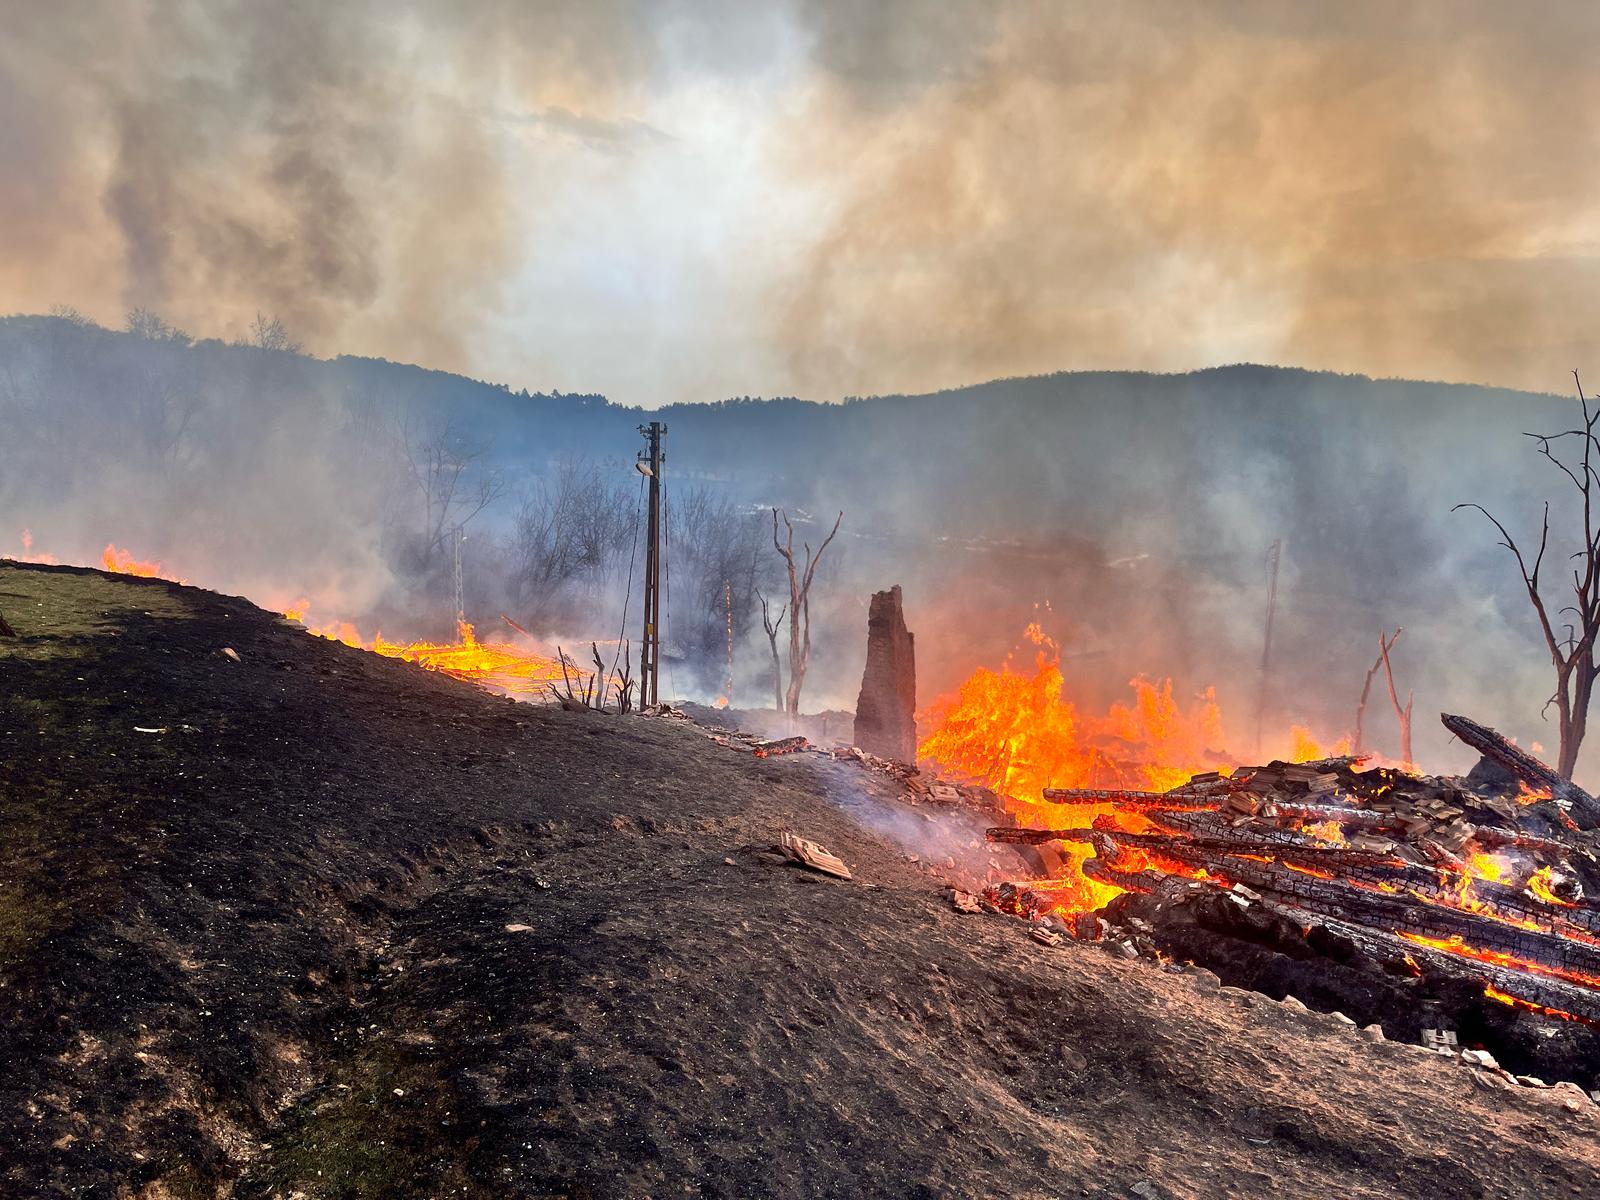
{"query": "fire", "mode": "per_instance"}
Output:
(500, 666)
(1496, 868)
(122, 562)
(1456, 945)
(1542, 884)
(29, 556)
(1016, 732)
(1491, 992)
(1304, 746)
(497, 665)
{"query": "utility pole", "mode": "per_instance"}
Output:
(1273, 555)
(649, 465)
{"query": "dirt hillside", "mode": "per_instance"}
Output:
(342, 928)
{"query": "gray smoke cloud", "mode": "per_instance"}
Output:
(701, 198)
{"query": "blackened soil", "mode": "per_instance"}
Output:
(347, 929)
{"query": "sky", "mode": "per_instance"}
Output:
(670, 200)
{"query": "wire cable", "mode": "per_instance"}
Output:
(666, 579)
(627, 594)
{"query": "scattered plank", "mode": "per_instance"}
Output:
(810, 854)
(779, 746)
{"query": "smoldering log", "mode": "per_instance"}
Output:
(1585, 808)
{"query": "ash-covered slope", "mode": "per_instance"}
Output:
(342, 928)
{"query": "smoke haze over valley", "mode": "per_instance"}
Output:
(1129, 514)
(612, 208)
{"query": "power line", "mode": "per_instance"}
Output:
(627, 594)
(666, 561)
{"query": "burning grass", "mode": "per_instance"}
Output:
(505, 667)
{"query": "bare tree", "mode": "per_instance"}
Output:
(454, 483)
(1572, 646)
(1403, 715)
(148, 324)
(572, 533)
(799, 605)
(69, 314)
(270, 333)
(771, 626)
(1356, 741)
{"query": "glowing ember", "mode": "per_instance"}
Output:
(1491, 992)
(1456, 945)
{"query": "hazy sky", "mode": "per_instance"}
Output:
(687, 199)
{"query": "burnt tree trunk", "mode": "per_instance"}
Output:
(771, 626)
(886, 723)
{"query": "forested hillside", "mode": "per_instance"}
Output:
(1131, 513)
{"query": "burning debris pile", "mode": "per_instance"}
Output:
(1404, 899)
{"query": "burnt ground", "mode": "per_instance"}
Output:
(349, 929)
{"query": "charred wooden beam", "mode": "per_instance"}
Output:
(1122, 798)
(1541, 990)
(1585, 808)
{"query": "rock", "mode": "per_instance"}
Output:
(964, 902)
(1479, 1058)
(1340, 1019)
(886, 722)
(229, 653)
(1532, 1081)
(1573, 1096)
(1373, 1032)
(1295, 1003)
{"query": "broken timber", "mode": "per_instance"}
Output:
(1585, 808)
(1419, 873)
(810, 854)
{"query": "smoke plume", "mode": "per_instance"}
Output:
(683, 201)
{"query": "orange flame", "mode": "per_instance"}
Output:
(497, 665)
(122, 562)
(1493, 993)
(1542, 884)
(1454, 944)
(1016, 733)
